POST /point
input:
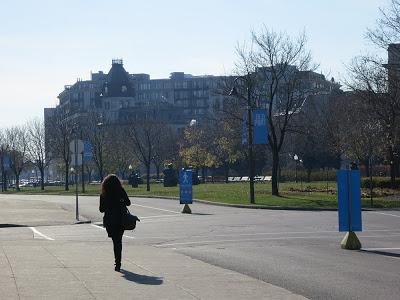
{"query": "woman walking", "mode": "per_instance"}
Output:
(113, 203)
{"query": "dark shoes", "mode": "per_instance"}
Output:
(117, 267)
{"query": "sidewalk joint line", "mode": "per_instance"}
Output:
(12, 272)
(70, 271)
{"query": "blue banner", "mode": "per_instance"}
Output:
(6, 162)
(185, 187)
(260, 131)
(349, 200)
(87, 151)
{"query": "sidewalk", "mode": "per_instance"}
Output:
(41, 269)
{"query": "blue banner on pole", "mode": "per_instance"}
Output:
(185, 187)
(349, 200)
(6, 162)
(260, 131)
(87, 151)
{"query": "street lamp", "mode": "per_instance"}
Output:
(296, 159)
(235, 93)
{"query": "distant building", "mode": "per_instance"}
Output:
(119, 96)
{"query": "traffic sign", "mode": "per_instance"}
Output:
(349, 200)
(185, 187)
(76, 146)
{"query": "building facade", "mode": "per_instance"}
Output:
(119, 96)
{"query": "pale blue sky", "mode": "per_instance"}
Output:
(46, 44)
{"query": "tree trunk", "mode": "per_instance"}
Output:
(158, 172)
(392, 170)
(17, 181)
(203, 174)
(275, 169)
(42, 178)
(101, 173)
(67, 176)
(366, 164)
(226, 169)
(148, 178)
(309, 174)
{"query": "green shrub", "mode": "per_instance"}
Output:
(316, 175)
(379, 182)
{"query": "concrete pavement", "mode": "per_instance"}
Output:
(42, 269)
(33, 267)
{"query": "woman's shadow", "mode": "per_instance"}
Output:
(141, 279)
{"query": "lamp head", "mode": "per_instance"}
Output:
(233, 92)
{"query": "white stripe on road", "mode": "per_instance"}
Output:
(175, 212)
(35, 231)
(386, 214)
(158, 216)
(379, 249)
(262, 239)
(101, 227)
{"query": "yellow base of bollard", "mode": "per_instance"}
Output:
(351, 241)
(186, 209)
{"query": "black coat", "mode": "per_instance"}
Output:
(113, 207)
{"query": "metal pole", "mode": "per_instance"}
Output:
(349, 198)
(76, 180)
(83, 173)
(370, 180)
(250, 145)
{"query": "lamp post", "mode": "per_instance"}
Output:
(296, 159)
(75, 172)
(235, 93)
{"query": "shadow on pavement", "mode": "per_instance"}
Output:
(382, 253)
(12, 225)
(142, 279)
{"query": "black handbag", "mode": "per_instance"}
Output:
(129, 220)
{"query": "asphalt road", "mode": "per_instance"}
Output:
(297, 250)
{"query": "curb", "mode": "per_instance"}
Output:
(248, 206)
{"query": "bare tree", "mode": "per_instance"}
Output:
(274, 69)
(38, 153)
(387, 29)
(60, 135)
(97, 130)
(4, 148)
(369, 78)
(17, 139)
(143, 135)
(118, 153)
(165, 147)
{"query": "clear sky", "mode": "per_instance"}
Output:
(46, 44)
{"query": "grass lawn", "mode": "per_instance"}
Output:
(304, 195)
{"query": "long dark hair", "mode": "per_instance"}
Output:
(111, 186)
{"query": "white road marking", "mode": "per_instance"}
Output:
(262, 239)
(161, 209)
(101, 227)
(386, 214)
(97, 226)
(158, 216)
(379, 249)
(35, 231)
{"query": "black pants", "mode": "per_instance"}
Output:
(117, 242)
